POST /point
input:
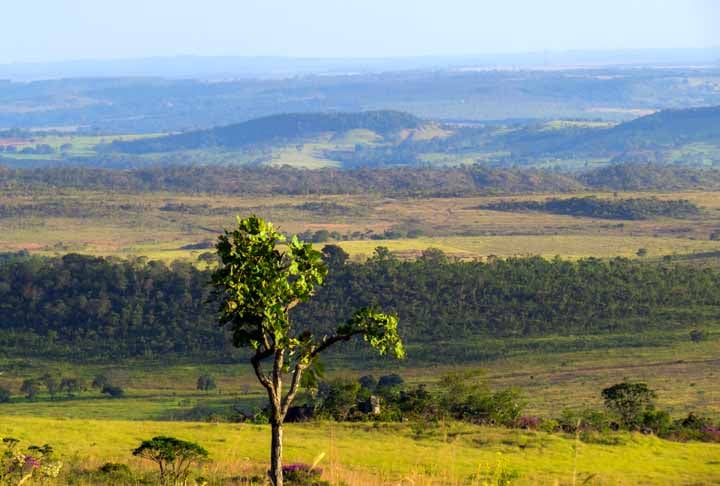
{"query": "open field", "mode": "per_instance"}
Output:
(685, 375)
(159, 225)
(363, 454)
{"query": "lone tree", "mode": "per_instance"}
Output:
(630, 401)
(257, 285)
(173, 456)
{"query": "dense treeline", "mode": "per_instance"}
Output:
(628, 209)
(643, 177)
(457, 181)
(92, 307)
(451, 181)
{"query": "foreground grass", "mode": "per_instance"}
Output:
(388, 454)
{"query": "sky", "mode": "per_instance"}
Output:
(59, 30)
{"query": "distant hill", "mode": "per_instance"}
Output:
(274, 129)
(664, 129)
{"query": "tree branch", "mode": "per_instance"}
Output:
(329, 341)
(294, 387)
(257, 366)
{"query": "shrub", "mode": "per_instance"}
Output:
(549, 426)
(299, 474)
(30, 388)
(71, 385)
(338, 398)
(115, 468)
(173, 456)
(206, 382)
(573, 420)
(100, 381)
(4, 395)
(698, 335)
(112, 391)
(527, 422)
(18, 466)
(657, 421)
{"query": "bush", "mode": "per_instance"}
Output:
(528, 422)
(698, 335)
(100, 381)
(112, 391)
(30, 388)
(573, 420)
(338, 398)
(115, 468)
(4, 395)
(549, 426)
(206, 382)
(173, 456)
(20, 466)
(299, 474)
(658, 422)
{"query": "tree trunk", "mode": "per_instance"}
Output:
(276, 472)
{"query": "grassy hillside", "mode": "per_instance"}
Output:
(275, 129)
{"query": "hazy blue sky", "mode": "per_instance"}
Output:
(45, 30)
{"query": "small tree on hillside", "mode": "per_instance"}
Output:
(257, 285)
(629, 401)
(173, 456)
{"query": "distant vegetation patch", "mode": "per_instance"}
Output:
(275, 128)
(593, 207)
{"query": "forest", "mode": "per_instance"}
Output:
(627, 209)
(396, 181)
(105, 308)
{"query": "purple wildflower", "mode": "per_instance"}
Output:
(30, 461)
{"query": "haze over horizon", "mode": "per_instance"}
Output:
(85, 30)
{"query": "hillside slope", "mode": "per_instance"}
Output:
(275, 128)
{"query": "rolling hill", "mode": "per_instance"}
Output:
(273, 130)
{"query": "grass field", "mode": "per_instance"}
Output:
(554, 372)
(366, 454)
(141, 224)
(684, 374)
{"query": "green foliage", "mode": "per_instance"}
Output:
(257, 285)
(30, 388)
(205, 382)
(112, 391)
(71, 385)
(109, 309)
(698, 335)
(630, 401)
(99, 381)
(173, 456)
(466, 396)
(338, 398)
(5, 395)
